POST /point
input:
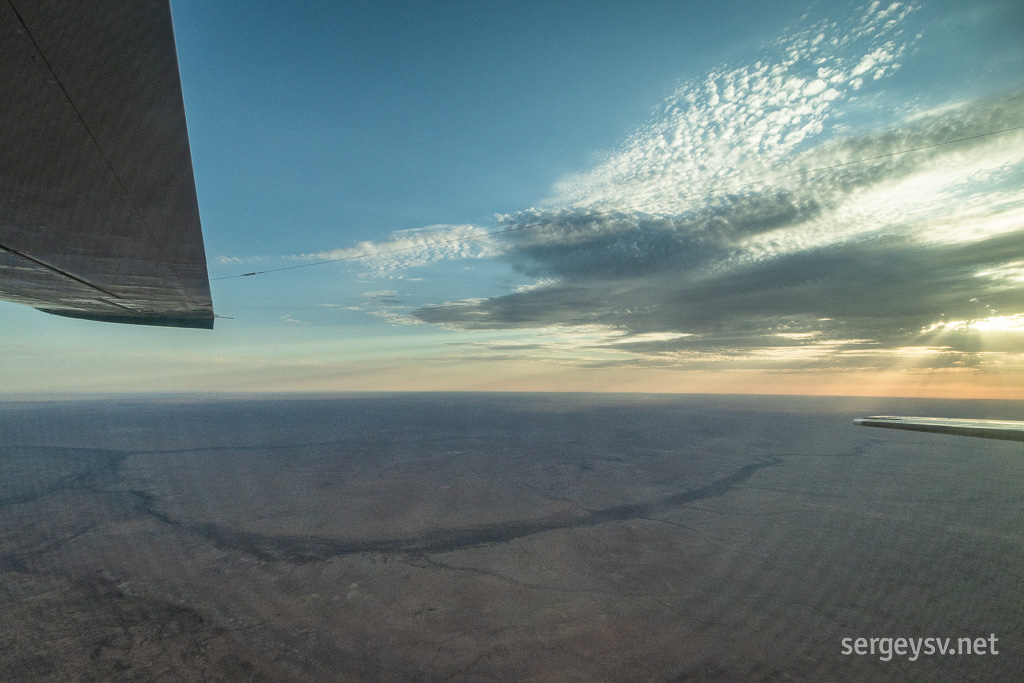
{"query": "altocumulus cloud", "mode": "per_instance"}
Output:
(736, 254)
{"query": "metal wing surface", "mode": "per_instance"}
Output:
(98, 211)
(986, 429)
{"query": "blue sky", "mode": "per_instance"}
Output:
(663, 146)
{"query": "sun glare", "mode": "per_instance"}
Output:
(996, 323)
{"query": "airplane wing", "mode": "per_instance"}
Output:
(986, 429)
(98, 211)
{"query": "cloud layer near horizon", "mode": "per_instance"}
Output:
(916, 258)
(789, 213)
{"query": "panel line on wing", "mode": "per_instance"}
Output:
(61, 272)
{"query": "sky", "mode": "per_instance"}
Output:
(788, 197)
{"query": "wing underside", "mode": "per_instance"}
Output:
(98, 211)
(986, 429)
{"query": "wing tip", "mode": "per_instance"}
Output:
(987, 429)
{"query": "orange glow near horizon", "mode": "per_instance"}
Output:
(532, 377)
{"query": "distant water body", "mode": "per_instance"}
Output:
(440, 536)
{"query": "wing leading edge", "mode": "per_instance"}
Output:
(986, 429)
(98, 211)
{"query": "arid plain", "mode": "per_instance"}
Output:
(471, 537)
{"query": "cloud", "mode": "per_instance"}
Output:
(745, 227)
(406, 249)
(381, 303)
(382, 297)
(738, 124)
(412, 248)
(239, 260)
(767, 216)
